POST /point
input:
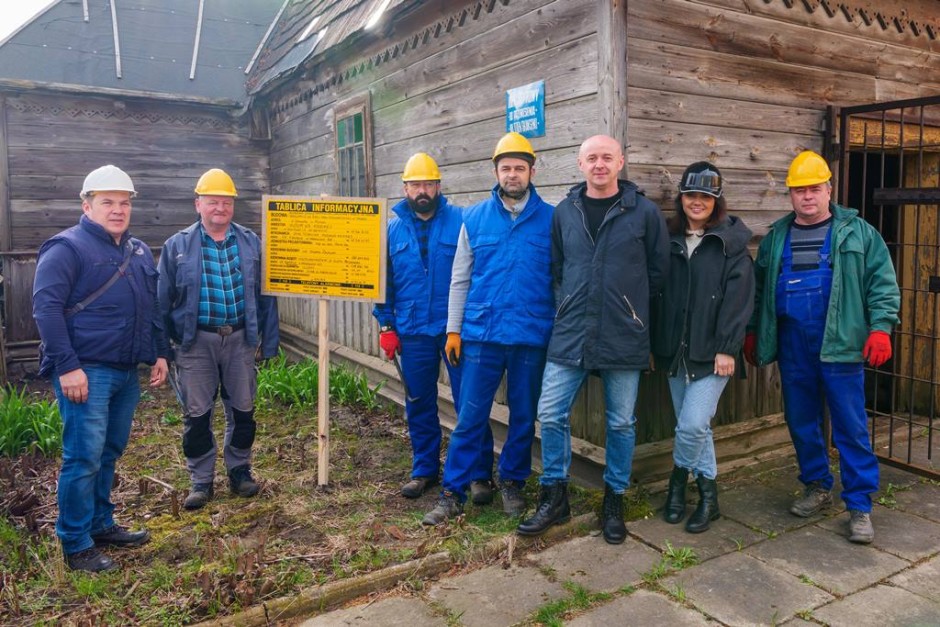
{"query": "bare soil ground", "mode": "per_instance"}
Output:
(236, 552)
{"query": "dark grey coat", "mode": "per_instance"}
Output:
(602, 289)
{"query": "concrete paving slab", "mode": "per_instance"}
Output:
(896, 532)
(922, 499)
(766, 506)
(796, 621)
(923, 579)
(827, 559)
(643, 608)
(496, 595)
(392, 612)
(724, 536)
(738, 589)
(596, 565)
(880, 605)
(895, 476)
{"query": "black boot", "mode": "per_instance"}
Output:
(615, 532)
(553, 510)
(674, 511)
(707, 509)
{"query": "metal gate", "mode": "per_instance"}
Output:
(890, 171)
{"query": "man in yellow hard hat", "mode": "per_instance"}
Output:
(94, 306)
(422, 242)
(827, 301)
(500, 315)
(211, 302)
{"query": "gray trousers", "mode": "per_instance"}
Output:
(212, 365)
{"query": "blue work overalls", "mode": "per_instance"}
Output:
(802, 303)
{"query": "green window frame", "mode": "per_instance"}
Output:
(354, 174)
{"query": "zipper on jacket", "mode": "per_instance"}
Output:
(636, 318)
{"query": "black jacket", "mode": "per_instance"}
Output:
(602, 289)
(705, 305)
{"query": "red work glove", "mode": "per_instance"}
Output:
(390, 343)
(452, 349)
(877, 348)
(750, 348)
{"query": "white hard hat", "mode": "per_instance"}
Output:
(108, 178)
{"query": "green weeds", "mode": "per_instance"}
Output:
(28, 424)
(579, 598)
(297, 384)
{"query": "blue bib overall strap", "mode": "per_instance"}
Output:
(803, 295)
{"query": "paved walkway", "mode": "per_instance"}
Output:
(758, 565)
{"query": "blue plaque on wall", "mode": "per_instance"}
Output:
(525, 109)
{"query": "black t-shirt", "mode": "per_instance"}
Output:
(595, 209)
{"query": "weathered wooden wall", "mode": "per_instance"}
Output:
(446, 96)
(742, 83)
(52, 140)
(746, 83)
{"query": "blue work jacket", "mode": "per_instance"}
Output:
(181, 278)
(415, 298)
(510, 297)
(121, 328)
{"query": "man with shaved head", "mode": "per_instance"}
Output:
(609, 253)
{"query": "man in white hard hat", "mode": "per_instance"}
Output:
(219, 322)
(94, 306)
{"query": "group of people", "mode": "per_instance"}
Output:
(102, 307)
(600, 285)
(604, 285)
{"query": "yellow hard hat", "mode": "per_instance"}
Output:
(806, 169)
(421, 167)
(514, 145)
(216, 182)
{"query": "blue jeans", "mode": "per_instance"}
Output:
(805, 380)
(420, 363)
(560, 386)
(94, 436)
(483, 365)
(695, 403)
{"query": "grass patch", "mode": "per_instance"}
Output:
(578, 599)
(28, 423)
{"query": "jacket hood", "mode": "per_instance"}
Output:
(733, 234)
(628, 191)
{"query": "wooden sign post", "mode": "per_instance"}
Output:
(327, 247)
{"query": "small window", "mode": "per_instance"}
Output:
(354, 149)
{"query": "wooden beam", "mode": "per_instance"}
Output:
(19, 85)
(612, 69)
(6, 239)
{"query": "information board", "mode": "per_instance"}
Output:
(525, 109)
(329, 247)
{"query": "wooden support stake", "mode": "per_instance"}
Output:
(323, 397)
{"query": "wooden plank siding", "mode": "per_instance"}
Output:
(54, 140)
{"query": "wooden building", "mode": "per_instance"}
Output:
(343, 91)
(156, 88)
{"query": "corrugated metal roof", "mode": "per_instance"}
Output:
(156, 40)
(338, 20)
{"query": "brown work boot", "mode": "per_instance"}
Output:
(199, 495)
(418, 486)
(815, 498)
(513, 501)
(481, 492)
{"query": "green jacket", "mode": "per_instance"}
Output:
(865, 295)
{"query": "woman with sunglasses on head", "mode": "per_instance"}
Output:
(699, 325)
